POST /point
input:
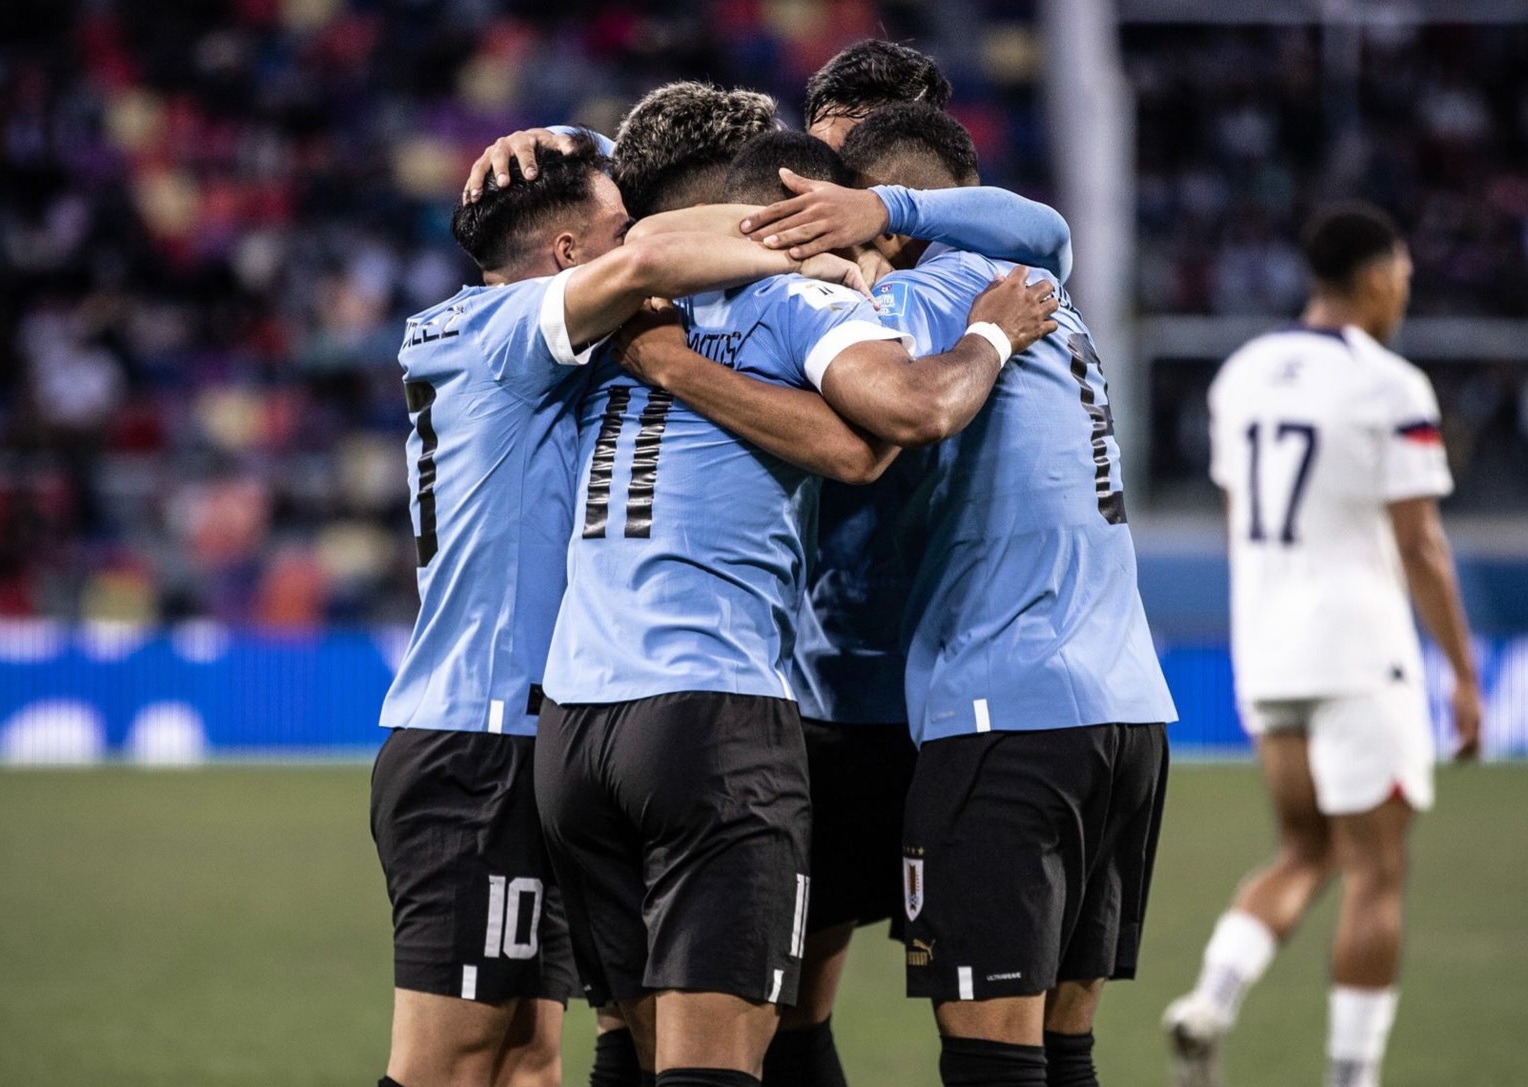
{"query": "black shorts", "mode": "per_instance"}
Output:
(476, 914)
(679, 826)
(860, 775)
(1027, 858)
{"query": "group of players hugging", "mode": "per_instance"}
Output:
(798, 602)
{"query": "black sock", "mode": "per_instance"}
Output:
(388, 1081)
(615, 1060)
(804, 1058)
(705, 1077)
(975, 1062)
(1069, 1060)
(649, 1079)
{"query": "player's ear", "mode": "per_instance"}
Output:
(565, 250)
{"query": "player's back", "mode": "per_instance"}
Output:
(1313, 434)
(493, 390)
(1025, 606)
(848, 662)
(686, 566)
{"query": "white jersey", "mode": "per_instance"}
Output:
(1313, 434)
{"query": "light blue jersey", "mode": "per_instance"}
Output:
(848, 663)
(1024, 611)
(493, 388)
(687, 560)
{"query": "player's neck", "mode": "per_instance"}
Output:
(525, 269)
(1328, 311)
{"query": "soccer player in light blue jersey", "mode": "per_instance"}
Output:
(1032, 682)
(670, 763)
(1033, 687)
(493, 377)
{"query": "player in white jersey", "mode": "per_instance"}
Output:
(1327, 446)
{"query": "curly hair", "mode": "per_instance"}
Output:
(674, 147)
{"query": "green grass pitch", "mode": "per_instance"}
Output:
(228, 926)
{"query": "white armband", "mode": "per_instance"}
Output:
(996, 337)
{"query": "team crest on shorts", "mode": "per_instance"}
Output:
(912, 886)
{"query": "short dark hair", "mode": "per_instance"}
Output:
(873, 73)
(754, 177)
(1342, 238)
(496, 229)
(892, 137)
(675, 146)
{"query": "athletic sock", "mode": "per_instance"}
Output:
(975, 1062)
(705, 1077)
(1069, 1060)
(1359, 1023)
(804, 1058)
(1239, 950)
(615, 1060)
(649, 1079)
(388, 1081)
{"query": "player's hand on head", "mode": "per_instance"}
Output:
(831, 268)
(1467, 714)
(1022, 311)
(519, 146)
(649, 338)
(824, 216)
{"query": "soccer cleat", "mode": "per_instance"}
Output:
(1194, 1029)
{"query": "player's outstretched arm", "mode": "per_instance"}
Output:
(795, 425)
(991, 221)
(915, 402)
(1429, 564)
(602, 294)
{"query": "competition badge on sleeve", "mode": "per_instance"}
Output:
(890, 300)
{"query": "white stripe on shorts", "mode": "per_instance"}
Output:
(776, 986)
(983, 718)
(469, 983)
(496, 715)
(798, 925)
(963, 979)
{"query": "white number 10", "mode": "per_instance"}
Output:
(514, 917)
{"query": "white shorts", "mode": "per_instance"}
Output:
(1363, 748)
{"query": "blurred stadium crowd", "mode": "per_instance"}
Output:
(214, 215)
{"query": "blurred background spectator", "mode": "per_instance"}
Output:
(215, 214)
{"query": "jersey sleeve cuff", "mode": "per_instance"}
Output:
(554, 323)
(842, 337)
(901, 209)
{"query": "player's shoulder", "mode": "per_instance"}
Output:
(1387, 366)
(817, 295)
(943, 278)
(942, 261)
(442, 320)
